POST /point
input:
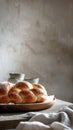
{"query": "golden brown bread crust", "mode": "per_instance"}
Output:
(41, 97)
(14, 90)
(4, 99)
(28, 96)
(4, 88)
(37, 91)
(15, 98)
(23, 85)
(22, 92)
(40, 87)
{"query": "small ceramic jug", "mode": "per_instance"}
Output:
(34, 80)
(16, 77)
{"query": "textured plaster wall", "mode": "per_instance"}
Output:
(36, 38)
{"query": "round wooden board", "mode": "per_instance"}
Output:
(28, 107)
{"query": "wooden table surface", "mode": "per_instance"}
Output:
(11, 120)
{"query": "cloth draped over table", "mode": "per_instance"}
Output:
(61, 120)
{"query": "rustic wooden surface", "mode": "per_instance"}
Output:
(11, 120)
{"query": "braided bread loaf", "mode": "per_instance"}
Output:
(22, 92)
(4, 89)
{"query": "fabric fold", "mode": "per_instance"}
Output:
(61, 120)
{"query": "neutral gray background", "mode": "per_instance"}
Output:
(36, 38)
